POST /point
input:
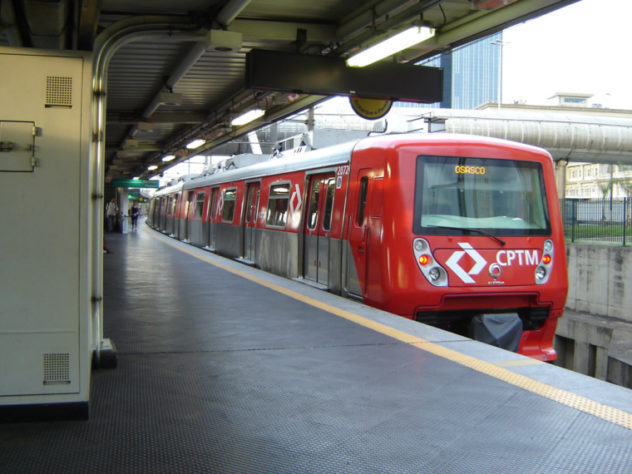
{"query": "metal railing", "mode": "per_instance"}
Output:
(599, 221)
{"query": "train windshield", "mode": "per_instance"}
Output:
(458, 196)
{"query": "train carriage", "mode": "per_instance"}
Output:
(437, 228)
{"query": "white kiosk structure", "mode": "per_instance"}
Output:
(46, 237)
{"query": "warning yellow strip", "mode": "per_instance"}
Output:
(605, 412)
(517, 363)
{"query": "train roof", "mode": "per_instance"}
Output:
(321, 158)
(334, 156)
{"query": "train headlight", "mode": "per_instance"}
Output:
(434, 273)
(431, 270)
(420, 245)
(543, 270)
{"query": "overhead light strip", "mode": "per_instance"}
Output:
(247, 117)
(390, 46)
(197, 143)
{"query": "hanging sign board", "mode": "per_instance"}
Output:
(136, 183)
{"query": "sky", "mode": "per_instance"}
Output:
(581, 48)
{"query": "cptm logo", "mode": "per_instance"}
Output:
(479, 262)
(504, 258)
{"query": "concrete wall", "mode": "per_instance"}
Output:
(595, 335)
(597, 277)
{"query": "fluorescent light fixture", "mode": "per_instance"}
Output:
(248, 117)
(167, 158)
(390, 46)
(152, 167)
(197, 143)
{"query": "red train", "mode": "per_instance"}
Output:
(437, 228)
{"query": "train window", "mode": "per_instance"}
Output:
(251, 203)
(199, 204)
(212, 207)
(172, 206)
(364, 186)
(278, 205)
(457, 194)
(314, 197)
(228, 210)
(188, 211)
(329, 203)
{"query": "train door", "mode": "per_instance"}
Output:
(358, 236)
(212, 215)
(187, 215)
(164, 212)
(249, 221)
(317, 227)
(173, 225)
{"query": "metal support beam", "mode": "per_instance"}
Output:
(88, 21)
(257, 33)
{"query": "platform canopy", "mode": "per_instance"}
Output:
(173, 71)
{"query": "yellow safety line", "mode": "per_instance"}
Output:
(517, 363)
(605, 412)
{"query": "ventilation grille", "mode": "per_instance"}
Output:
(58, 91)
(57, 368)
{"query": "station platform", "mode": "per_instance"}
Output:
(224, 368)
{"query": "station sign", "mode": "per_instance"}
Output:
(136, 183)
(370, 109)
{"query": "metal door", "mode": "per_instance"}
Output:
(187, 215)
(249, 222)
(317, 227)
(358, 235)
(212, 216)
(175, 206)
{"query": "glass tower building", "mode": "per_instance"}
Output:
(470, 73)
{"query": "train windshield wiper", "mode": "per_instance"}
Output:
(477, 231)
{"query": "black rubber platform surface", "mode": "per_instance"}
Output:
(217, 373)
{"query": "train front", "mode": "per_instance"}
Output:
(487, 242)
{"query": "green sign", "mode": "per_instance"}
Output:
(136, 183)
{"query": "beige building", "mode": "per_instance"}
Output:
(595, 180)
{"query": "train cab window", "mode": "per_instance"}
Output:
(500, 196)
(278, 205)
(228, 210)
(199, 205)
(330, 185)
(364, 186)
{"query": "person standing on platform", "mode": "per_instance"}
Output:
(134, 213)
(111, 210)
